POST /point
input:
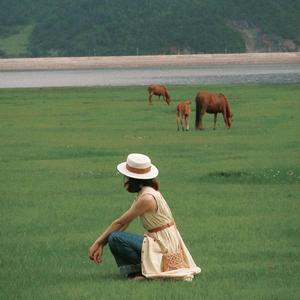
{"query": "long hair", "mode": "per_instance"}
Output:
(135, 185)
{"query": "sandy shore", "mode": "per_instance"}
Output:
(94, 62)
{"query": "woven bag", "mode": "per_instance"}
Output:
(170, 261)
(173, 261)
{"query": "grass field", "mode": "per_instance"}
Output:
(234, 193)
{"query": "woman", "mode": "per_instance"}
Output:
(161, 252)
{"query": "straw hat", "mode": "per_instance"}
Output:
(138, 166)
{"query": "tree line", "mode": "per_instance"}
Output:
(131, 27)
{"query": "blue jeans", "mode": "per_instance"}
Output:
(126, 248)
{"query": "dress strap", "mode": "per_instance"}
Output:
(155, 198)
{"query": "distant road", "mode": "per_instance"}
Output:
(98, 62)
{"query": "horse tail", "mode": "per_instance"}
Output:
(197, 119)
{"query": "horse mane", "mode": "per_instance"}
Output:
(166, 91)
(167, 94)
(228, 112)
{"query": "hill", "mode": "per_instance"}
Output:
(131, 27)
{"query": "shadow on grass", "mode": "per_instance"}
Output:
(235, 174)
(263, 176)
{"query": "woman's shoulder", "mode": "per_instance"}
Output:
(149, 190)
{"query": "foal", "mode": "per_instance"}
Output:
(183, 111)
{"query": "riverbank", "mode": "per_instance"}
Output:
(95, 62)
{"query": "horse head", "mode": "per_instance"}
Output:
(229, 114)
(168, 99)
(230, 119)
(187, 107)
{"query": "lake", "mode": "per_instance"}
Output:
(199, 74)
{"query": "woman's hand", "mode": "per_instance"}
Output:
(95, 253)
(145, 204)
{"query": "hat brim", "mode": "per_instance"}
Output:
(149, 175)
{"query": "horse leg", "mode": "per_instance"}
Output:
(181, 122)
(201, 119)
(215, 121)
(187, 123)
(177, 121)
(150, 98)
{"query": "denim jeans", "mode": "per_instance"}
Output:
(126, 248)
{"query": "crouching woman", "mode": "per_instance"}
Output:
(161, 252)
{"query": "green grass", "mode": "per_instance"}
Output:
(234, 193)
(16, 45)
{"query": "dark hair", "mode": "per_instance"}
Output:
(135, 185)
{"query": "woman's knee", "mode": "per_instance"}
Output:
(114, 238)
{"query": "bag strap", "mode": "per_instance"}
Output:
(161, 245)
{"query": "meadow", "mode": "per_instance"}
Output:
(234, 193)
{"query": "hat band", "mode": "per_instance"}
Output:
(138, 171)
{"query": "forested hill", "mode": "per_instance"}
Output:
(34, 28)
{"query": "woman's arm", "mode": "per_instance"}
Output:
(142, 205)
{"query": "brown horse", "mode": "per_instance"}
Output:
(158, 90)
(212, 104)
(183, 110)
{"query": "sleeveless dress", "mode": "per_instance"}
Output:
(168, 238)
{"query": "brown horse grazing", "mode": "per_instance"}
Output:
(183, 110)
(158, 90)
(212, 104)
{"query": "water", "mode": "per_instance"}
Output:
(200, 74)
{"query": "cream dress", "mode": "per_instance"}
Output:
(168, 238)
